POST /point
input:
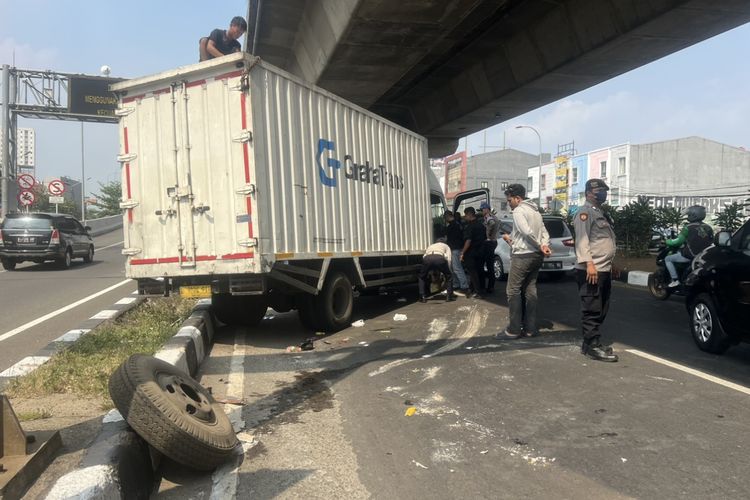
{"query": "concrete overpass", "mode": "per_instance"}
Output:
(448, 68)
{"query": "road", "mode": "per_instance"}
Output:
(529, 418)
(34, 292)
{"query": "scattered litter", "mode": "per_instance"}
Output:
(427, 355)
(624, 460)
(452, 470)
(410, 411)
(293, 348)
(484, 452)
(383, 331)
(408, 402)
(307, 345)
(469, 348)
(363, 343)
(346, 339)
(326, 342)
(399, 317)
(419, 465)
(402, 299)
(230, 401)
(320, 334)
(359, 323)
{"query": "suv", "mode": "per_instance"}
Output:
(718, 292)
(561, 244)
(42, 237)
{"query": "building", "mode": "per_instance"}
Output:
(25, 151)
(494, 170)
(674, 173)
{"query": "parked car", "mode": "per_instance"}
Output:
(718, 292)
(562, 244)
(40, 237)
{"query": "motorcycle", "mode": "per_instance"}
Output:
(659, 279)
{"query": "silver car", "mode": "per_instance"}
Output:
(562, 244)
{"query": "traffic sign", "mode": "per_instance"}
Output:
(56, 187)
(26, 198)
(57, 200)
(26, 181)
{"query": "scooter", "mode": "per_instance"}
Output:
(659, 279)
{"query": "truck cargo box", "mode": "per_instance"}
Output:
(231, 165)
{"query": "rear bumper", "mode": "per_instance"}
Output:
(50, 253)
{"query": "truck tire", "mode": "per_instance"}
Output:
(307, 313)
(172, 412)
(334, 303)
(239, 310)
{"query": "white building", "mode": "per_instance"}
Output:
(25, 151)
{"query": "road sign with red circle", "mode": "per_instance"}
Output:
(56, 187)
(26, 198)
(26, 181)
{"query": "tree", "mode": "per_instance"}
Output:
(668, 218)
(108, 200)
(731, 218)
(633, 225)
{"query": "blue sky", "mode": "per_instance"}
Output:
(701, 90)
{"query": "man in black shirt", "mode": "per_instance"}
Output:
(471, 256)
(455, 233)
(222, 42)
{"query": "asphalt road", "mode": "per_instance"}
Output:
(35, 291)
(528, 418)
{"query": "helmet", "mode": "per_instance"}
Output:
(696, 213)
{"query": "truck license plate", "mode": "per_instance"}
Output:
(195, 291)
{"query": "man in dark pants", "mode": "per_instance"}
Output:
(437, 257)
(595, 251)
(471, 255)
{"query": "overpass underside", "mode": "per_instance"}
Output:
(449, 68)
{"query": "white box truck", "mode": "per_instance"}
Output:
(242, 182)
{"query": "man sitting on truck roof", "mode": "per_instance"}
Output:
(222, 42)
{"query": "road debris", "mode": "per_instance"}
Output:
(359, 323)
(364, 344)
(320, 334)
(307, 345)
(419, 465)
(484, 452)
(230, 401)
(623, 459)
(410, 411)
(399, 317)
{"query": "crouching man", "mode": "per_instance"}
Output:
(437, 257)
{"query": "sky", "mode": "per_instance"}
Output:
(702, 90)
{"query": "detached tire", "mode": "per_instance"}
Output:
(240, 310)
(707, 332)
(172, 412)
(334, 303)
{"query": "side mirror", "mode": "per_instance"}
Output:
(723, 239)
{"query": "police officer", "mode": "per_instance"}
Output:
(471, 256)
(595, 250)
(492, 227)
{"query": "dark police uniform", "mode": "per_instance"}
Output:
(595, 242)
(475, 232)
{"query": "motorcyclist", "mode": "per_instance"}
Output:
(695, 237)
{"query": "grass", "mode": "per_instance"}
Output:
(85, 367)
(27, 416)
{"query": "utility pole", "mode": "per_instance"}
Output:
(5, 138)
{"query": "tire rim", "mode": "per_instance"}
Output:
(702, 323)
(68, 259)
(185, 396)
(340, 302)
(91, 253)
(498, 267)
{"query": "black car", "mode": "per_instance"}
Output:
(718, 292)
(41, 237)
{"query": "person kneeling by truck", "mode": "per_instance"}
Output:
(437, 257)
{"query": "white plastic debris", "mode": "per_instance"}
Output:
(402, 299)
(399, 317)
(624, 460)
(419, 465)
(358, 323)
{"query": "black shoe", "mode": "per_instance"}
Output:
(450, 298)
(423, 300)
(599, 353)
(507, 334)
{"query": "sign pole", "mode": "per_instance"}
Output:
(5, 134)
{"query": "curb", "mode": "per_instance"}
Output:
(119, 463)
(31, 363)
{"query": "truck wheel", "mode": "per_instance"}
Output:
(239, 310)
(9, 264)
(334, 303)
(308, 316)
(172, 412)
(707, 332)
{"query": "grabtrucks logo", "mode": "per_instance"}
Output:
(352, 170)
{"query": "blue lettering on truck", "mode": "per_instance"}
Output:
(352, 170)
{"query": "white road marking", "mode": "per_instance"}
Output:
(691, 371)
(73, 335)
(226, 477)
(25, 366)
(105, 314)
(44, 318)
